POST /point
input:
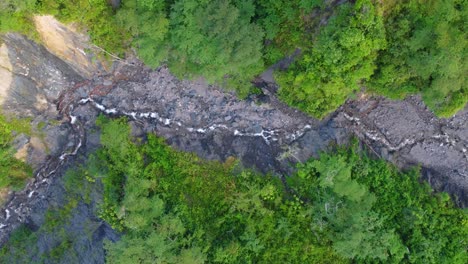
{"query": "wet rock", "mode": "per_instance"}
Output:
(37, 80)
(263, 134)
(408, 134)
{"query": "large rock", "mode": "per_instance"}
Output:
(262, 132)
(70, 45)
(33, 80)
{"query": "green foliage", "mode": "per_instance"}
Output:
(149, 25)
(381, 213)
(14, 16)
(13, 172)
(216, 40)
(177, 208)
(95, 16)
(174, 207)
(427, 52)
(392, 48)
(123, 159)
(55, 240)
(339, 61)
(213, 39)
(286, 24)
(344, 207)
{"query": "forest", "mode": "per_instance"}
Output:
(391, 48)
(173, 207)
(170, 206)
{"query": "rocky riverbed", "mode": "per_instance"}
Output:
(260, 131)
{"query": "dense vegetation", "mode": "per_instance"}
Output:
(394, 48)
(54, 241)
(338, 63)
(345, 207)
(173, 207)
(13, 172)
(426, 52)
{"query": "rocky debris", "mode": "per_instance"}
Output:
(37, 78)
(408, 134)
(201, 119)
(37, 81)
(270, 136)
(261, 131)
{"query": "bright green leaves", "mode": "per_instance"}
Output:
(286, 24)
(335, 173)
(14, 16)
(174, 207)
(211, 39)
(344, 209)
(147, 21)
(216, 40)
(372, 212)
(364, 237)
(426, 53)
(415, 48)
(122, 160)
(227, 42)
(392, 48)
(341, 59)
(13, 172)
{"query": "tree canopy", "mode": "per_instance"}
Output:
(173, 207)
(342, 207)
(339, 61)
(391, 48)
(427, 53)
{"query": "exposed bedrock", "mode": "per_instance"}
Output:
(266, 134)
(408, 134)
(261, 131)
(32, 83)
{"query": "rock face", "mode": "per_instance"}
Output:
(266, 134)
(68, 44)
(35, 81)
(261, 131)
(6, 73)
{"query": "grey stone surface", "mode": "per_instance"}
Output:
(261, 131)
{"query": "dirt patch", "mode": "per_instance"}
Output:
(5, 73)
(41, 102)
(22, 153)
(66, 43)
(3, 195)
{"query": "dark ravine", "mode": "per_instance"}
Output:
(261, 131)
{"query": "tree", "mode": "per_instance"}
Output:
(216, 40)
(426, 53)
(341, 59)
(148, 23)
